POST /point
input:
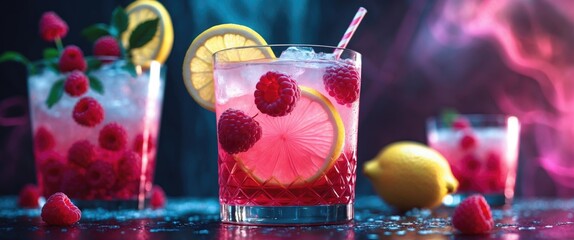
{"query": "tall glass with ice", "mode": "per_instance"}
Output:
(98, 148)
(482, 151)
(287, 133)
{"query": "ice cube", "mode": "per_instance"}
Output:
(325, 56)
(298, 53)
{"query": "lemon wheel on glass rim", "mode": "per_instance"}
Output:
(197, 66)
(159, 47)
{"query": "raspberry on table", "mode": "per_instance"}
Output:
(44, 139)
(76, 84)
(158, 198)
(88, 112)
(81, 153)
(342, 82)
(52, 26)
(107, 46)
(473, 216)
(72, 58)
(113, 137)
(29, 196)
(101, 174)
(129, 166)
(276, 94)
(237, 132)
(60, 211)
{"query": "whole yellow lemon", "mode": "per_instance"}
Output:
(410, 175)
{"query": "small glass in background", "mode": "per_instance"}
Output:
(482, 151)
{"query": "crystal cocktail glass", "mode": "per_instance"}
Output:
(483, 153)
(287, 133)
(99, 148)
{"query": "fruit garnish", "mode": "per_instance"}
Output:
(467, 141)
(471, 165)
(72, 59)
(198, 61)
(52, 27)
(342, 83)
(113, 137)
(129, 166)
(76, 84)
(236, 131)
(144, 45)
(299, 147)
(473, 216)
(88, 112)
(60, 211)
(276, 94)
(158, 198)
(101, 174)
(410, 175)
(29, 196)
(81, 153)
(107, 46)
(44, 139)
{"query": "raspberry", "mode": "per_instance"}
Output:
(157, 197)
(467, 142)
(29, 196)
(493, 162)
(101, 174)
(88, 112)
(470, 164)
(460, 123)
(276, 94)
(237, 132)
(52, 166)
(52, 26)
(107, 46)
(43, 139)
(113, 137)
(473, 216)
(72, 59)
(60, 211)
(129, 166)
(81, 153)
(76, 84)
(74, 183)
(342, 83)
(138, 144)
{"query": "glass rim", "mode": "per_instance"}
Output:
(290, 45)
(475, 116)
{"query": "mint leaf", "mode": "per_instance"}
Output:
(120, 21)
(96, 85)
(448, 116)
(131, 68)
(143, 33)
(50, 53)
(14, 56)
(93, 63)
(92, 33)
(56, 93)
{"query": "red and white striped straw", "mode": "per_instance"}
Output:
(350, 31)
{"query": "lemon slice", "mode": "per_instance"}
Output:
(297, 148)
(198, 62)
(159, 47)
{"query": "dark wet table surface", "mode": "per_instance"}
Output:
(193, 218)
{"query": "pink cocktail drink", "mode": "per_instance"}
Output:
(482, 151)
(287, 133)
(98, 148)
